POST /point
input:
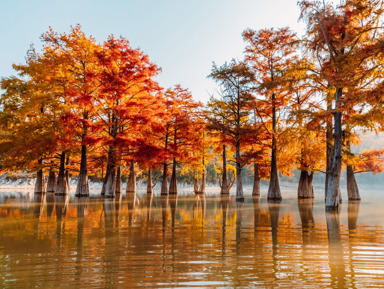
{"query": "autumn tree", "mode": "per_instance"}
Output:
(76, 54)
(348, 40)
(269, 53)
(126, 102)
(182, 135)
(235, 80)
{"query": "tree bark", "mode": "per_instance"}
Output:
(82, 189)
(329, 147)
(131, 185)
(274, 186)
(51, 186)
(62, 185)
(256, 180)
(149, 182)
(173, 183)
(305, 189)
(119, 189)
(239, 177)
(40, 180)
(352, 188)
(164, 181)
(333, 196)
(225, 187)
(110, 176)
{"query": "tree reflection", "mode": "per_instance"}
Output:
(131, 201)
(307, 220)
(61, 205)
(274, 212)
(50, 204)
(224, 202)
(353, 212)
(239, 217)
(199, 205)
(38, 201)
(173, 204)
(149, 199)
(335, 250)
(81, 209)
(164, 207)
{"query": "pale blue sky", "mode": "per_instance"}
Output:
(183, 37)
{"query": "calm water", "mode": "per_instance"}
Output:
(189, 241)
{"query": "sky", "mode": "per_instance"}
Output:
(183, 37)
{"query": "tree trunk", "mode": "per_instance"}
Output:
(67, 173)
(173, 183)
(239, 177)
(305, 189)
(51, 186)
(333, 196)
(225, 184)
(256, 180)
(329, 147)
(131, 185)
(352, 188)
(110, 176)
(119, 189)
(149, 182)
(82, 189)
(274, 186)
(40, 180)
(164, 181)
(62, 185)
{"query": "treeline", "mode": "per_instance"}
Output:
(83, 108)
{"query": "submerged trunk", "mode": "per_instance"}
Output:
(274, 186)
(149, 182)
(225, 187)
(173, 183)
(164, 181)
(131, 185)
(333, 191)
(110, 176)
(51, 186)
(40, 180)
(82, 189)
(305, 189)
(118, 189)
(239, 177)
(256, 180)
(352, 188)
(62, 185)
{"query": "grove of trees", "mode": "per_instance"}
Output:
(88, 109)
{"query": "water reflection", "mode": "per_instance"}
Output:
(335, 250)
(274, 212)
(187, 241)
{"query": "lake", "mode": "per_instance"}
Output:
(190, 240)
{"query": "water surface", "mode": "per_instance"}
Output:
(188, 241)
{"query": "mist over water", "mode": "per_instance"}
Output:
(190, 240)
